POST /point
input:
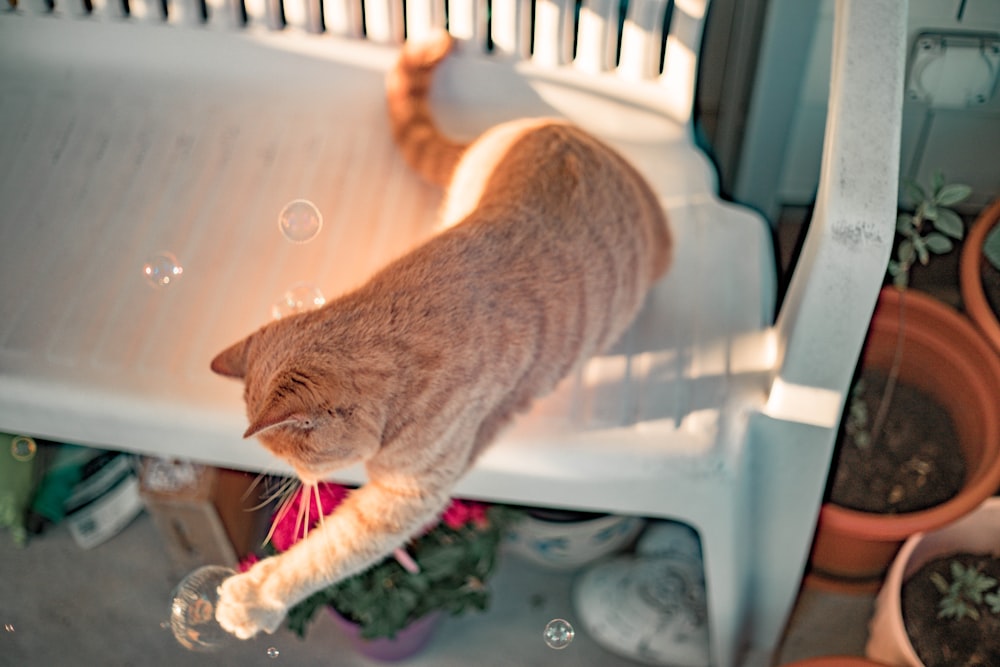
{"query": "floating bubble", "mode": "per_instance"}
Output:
(300, 221)
(162, 269)
(298, 298)
(192, 612)
(23, 448)
(9, 627)
(273, 652)
(558, 633)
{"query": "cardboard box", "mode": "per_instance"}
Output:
(201, 512)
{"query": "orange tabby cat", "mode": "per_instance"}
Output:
(553, 242)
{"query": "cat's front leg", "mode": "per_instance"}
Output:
(247, 605)
(367, 526)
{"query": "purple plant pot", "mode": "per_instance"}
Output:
(408, 642)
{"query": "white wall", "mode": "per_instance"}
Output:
(965, 144)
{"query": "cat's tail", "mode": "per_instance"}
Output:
(423, 146)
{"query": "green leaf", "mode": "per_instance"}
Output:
(904, 224)
(939, 582)
(920, 245)
(938, 243)
(952, 194)
(928, 211)
(937, 181)
(991, 247)
(949, 223)
(906, 253)
(993, 600)
(900, 273)
(914, 191)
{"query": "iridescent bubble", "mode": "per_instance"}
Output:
(23, 448)
(300, 221)
(298, 298)
(192, 611)
(273, 652)
(162, 269)
(558, 633)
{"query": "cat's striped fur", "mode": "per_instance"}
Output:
(554, 241)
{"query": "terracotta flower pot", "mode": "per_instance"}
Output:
(977, 532)
(836, 661)
(945, 357)
(408, 642)
(973, 296)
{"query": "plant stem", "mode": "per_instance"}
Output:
(893, 378)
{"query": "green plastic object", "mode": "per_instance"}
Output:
(16, 477)
(63, 473)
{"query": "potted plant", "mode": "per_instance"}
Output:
(390, 610)
(940, 604)
(921, 356)
(979, 273)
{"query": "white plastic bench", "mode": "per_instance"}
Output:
(124, 135)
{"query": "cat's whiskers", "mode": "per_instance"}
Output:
(285, 489)
(319, 503)
(288, 487)
(253, 485)
(305, 500)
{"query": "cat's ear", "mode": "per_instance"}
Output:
(232, 362)
(275, 415)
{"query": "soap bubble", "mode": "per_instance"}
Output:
(192, 612)
(558, 633)
(9, 627)
(162, 269)
(23, 448)
(300, 221)
(273, 652)
(298, 298)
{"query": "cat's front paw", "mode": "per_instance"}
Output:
(247, 604)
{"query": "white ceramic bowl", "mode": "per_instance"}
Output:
(565, 540)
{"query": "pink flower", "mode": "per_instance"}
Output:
(247, 562)
(287, 527)
(462, 512)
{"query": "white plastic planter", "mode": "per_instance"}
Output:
(977, 532)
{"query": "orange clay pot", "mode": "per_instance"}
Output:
(946, 357)
(973, 297)
(836, 661)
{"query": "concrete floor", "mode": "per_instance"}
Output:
(61, 605)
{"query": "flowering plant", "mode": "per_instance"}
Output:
(444, 569)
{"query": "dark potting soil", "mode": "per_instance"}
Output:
(946, 642)
(912, 465)
(990, 279)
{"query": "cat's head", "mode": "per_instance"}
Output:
(304, 402)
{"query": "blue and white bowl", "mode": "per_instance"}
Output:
(563, 540)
